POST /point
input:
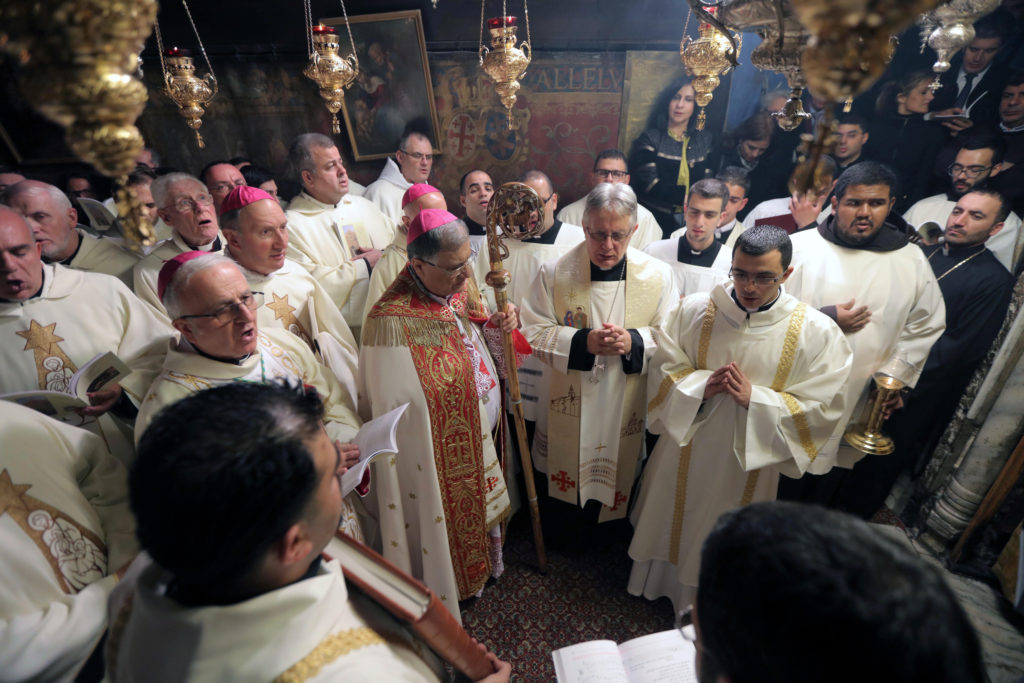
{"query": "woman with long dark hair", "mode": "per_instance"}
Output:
(902, 139)
(669, 155)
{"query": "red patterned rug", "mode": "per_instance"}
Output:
(525, 615)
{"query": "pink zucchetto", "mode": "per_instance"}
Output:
(242, 196)
(171, 267)
(415, 192)
(427, 220)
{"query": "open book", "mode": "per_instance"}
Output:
(410, 601)
(664, 657)
(68, 395)
(376, 436)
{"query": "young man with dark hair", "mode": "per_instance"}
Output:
(854, 265)
(746, 383)
(238, 588)
(969, 91)
(220, 178)
(475, 191)
(852, 134)
(1011, 126)
(796, 594)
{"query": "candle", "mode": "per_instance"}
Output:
(498, 22)
(320, 28)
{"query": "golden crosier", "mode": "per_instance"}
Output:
(332, 73)
(80, 58)
(188, 91)
(707, 59)
(504, 62)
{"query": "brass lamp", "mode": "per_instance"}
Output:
(866, 435)
(188, 91)
(707, 59)
(504, 61)
(329, 70)
(950, 27)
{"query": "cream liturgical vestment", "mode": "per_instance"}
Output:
(523, 264)
(46, 339)
(323, 239)
(691, 278)
(290, 297)
(310, 630)
(387, 191)
(907, 316)
(647, 230)
(595, 431)
(440, 498)
(714, 455)
(103, 256)
(391, 263)
(147, 271)
(65, 529)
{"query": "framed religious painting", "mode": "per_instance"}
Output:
(392, 91)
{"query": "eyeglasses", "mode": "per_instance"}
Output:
(759, 280)
(602, 237)
(229, 312)
(969, 171)
(452, 273)
(418, 156)
(605, 173)
(186, 204)
(227, 185)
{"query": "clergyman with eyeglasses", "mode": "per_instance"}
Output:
(746, 383)
(593, 316)
(411, 164)
(610, 167)
(184, 203)
(979, 160)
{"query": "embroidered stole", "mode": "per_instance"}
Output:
(575, 473)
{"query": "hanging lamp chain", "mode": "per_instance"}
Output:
(352, 42)
(199, 40)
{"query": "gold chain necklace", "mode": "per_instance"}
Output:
(939, 278)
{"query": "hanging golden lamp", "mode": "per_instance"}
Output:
(950, 27)
(181, 83)
(504, 61)
(327, 68)
(707, 59)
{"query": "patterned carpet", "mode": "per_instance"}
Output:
(525, 615)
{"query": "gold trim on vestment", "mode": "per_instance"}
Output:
(705, 335)
(682, 474)
(803, 428)
(666, 386)
(748, 488)
(789, 346)
(338, 645)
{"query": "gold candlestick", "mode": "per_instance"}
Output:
(866, 436)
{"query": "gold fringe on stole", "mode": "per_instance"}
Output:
(682, 473)
(399, 331)
(337, 645)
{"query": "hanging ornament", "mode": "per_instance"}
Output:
(707, 59)
(327, 68)
(181, 83)
(505, 62)
(950, 27)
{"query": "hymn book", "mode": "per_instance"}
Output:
(376, 436)
(67, 392)
(409, 600)
(665, 657)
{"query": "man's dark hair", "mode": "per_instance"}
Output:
(256, 175)
(861, 606)
(206, 169)
(985, 138)
(991, 26)
(709, 188)
(537, 174)
(866, 173)
(1004, 202)
(763, 239)
(413, 132)
(609, 154)
(462, 180)
(757, 127)
(234, 161)
(1015, 78)
(219, 478)
(734, 175)
(853, 119)
(142, 175)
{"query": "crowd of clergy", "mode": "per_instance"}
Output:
(675, 363)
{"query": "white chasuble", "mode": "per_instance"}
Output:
(439, 500)
(76, 316)
(65, 529)
(323, 239)
(595, 431)
(689, 278)
(280, 356)
(392, 261)
(714, 455)
(907, 316)
(310, 630)
(97, 255)
(523, 264)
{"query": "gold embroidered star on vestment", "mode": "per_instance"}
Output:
(40, 337)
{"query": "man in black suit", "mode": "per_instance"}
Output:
(972, 87)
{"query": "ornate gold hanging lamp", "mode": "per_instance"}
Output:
(505, 62)
(708, 58)
(181, 84)
(78, 65)
(327, 68)
(950, 27)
